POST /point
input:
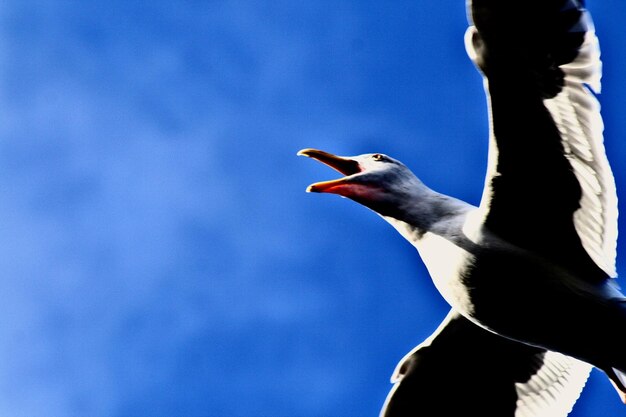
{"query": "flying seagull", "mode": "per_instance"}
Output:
(530, 270)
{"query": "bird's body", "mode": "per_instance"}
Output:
(534, 263)
(512, 291)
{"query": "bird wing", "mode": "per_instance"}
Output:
(549, 187)
(462, 369)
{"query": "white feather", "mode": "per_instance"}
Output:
(576, 112)
(554, 389)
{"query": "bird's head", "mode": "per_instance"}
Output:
(377, 181)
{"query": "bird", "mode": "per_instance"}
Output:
(532, 268)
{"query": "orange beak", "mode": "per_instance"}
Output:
(346, 166)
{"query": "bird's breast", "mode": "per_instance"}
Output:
(446, 261)
(484, 277)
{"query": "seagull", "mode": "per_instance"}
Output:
(529, 273)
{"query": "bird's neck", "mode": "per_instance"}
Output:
(427, 211)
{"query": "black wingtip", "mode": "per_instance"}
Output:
(531, 38)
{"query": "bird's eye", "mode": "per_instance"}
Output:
(377, 157)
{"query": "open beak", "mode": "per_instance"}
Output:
(346, 166)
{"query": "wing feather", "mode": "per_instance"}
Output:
(576, 113)
(554, 388)
(462, 369)
(542, 70)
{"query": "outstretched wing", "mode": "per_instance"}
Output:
(549, 187)
(463, 369)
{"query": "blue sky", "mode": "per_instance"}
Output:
(159, 254)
